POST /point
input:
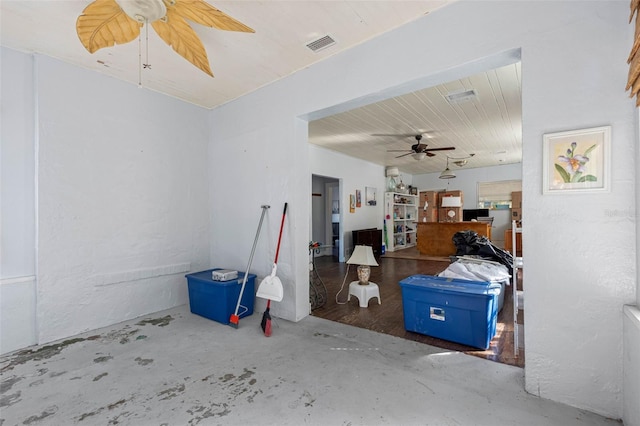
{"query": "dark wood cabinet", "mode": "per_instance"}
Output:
(369, 237)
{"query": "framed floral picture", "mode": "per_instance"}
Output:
(577, 161)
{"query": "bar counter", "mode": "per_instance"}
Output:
(435, 238)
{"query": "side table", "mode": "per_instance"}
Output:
(364, 292)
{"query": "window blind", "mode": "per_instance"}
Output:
(495, 194)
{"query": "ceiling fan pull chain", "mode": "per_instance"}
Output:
(146, 26)
(146, 64)
(140, 61)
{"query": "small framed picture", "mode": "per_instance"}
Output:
(370, 196)
(358, 198)
(577, 161)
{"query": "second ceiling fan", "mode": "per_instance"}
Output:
(420, 150)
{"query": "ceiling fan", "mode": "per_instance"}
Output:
(420, 150)
(104, 23)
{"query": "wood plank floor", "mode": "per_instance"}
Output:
(388, 317)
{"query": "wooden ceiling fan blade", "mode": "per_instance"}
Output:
(449, 148)
(203, 13)
(177, 33)
(404, 155)
(103, 23)
(399, 150)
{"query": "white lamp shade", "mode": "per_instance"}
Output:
(419, 155)
(447, 174)
(392, 172)
(451, 202)
(362, 255)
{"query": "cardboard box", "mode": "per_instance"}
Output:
(430, 214)
(450, 214)
(451, 309)
(217, 300)
(428, 197)
(456, 193)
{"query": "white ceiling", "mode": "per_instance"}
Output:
(489, 126)
(241, 62)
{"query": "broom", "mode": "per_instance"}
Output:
(271, 286)
(266, 320)
(235, 318)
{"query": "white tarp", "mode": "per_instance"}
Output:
(476, 270)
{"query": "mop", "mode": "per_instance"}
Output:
(271, 287)
(235, 318)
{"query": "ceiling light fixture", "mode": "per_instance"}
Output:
(419, 155)
(461, 161)
(446, 173)
(143, 11)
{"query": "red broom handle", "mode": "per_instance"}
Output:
(280, 236)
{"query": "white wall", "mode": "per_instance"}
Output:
(631, 327)
(17, 186)
(354, 174)
(122, 199)
(584, 268)
(582, 260)
(467, 181)
(18, 166)
(18, 327)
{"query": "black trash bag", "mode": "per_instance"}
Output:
(469, 243)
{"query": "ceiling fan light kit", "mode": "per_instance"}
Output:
(420, 150)
(460, 161)
(419, 155)
(143, 10)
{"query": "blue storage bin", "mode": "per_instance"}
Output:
(451, 309)
(217, 300)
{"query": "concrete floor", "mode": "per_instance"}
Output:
(176, 368)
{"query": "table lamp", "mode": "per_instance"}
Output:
(363, 256)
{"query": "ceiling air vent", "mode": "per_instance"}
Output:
(458, 97)
(321, 43)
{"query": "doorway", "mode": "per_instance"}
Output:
(354, 118)
(326, 218)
